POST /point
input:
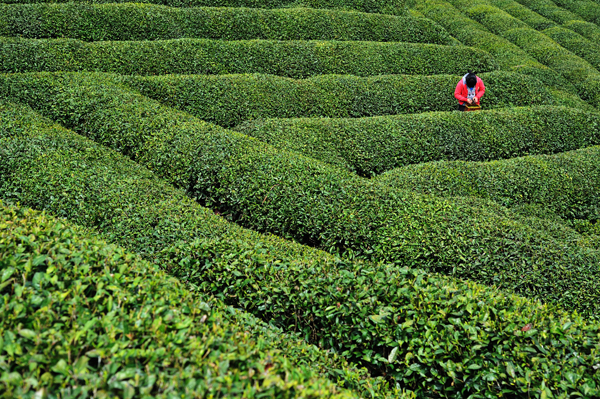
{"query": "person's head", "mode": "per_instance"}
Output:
(471, 80)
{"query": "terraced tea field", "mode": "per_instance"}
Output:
(266, 198)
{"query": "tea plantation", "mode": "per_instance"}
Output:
(277, 198)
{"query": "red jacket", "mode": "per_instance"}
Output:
(462, 91)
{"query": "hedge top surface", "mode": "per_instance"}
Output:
(134, 21)
(80, 316)
(297, 59)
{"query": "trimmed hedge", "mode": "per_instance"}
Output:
(585, 29)
(134, 21)
(370, 146)
(296, 59)
(568, 183)
(546, 8)
(266, 189)
(435, 334)
(586, 9)
(232, 99)
(396, 7)
(83, 318)
(577, 44)
(576, 70)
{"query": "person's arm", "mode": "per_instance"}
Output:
(458, 92)
(481, 90)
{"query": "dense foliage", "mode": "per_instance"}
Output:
(370, 146)
(134, 21)
(429, 333)
(293, 196)
(232, 99)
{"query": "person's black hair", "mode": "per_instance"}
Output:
(471, 79)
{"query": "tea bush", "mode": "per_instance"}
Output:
(81, 317)
(297, 59)
(370, 146)
(296, 197)
(438, 335)
(586, 9)
(545, 8)
(577, 44)
(232, 99)
(567, 183)
(585, 29)
(134, 21)
(396, 7)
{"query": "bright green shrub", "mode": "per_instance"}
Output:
(567, 183)
(396, 7)
(370, 146)
(586, 9)
(539, 14)
(266, 189)
(296, 59)
(81, 318)
(439, 335)
(577, 44)
(232, 99)
(129, 21)
(585, 29)
(508, 56)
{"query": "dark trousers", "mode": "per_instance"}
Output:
(461, 107)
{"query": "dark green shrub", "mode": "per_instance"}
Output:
(440, 335)
(370, 146)
(129, 21)
(287, 194)
(396, 7)
(568, 183)
(232, 99)
(586, 9)
(508, 56)
(527, 11)
(81, 317)
(295, 59)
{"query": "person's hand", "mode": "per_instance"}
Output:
(469, 101)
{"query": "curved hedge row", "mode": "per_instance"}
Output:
(232, 99)
(567, 183)
(546, 8)
(396, 7)
(266, 189)
(576, 43)
(586, 9)
(134, 21)
(295, 59)
(509, 56)
(370, 146)
(585, 29)
(437, 335)
(80, 316)
(574, 69)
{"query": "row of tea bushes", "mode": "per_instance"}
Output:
(296, 59)
(265, 189)
(576, 43)
(395, 7)
(567, 183)
(48, 167)
(586, 29)
(574, 69)
(370, 146)
(83, 318)
(572, 41)
(135, 21)
(433, 334)
(508, 56)
(232, 99)
(586, 9)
